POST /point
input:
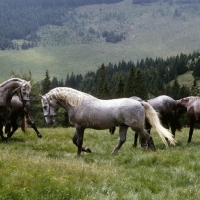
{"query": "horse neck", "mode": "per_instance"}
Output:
(69, 96)
(7, 90)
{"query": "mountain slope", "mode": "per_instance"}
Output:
(152, 30)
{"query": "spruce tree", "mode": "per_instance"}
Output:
(46, 83)
(101, 79)
(175, 89)
(129, 84)
(119, 87)
(195, 88)
(140, 86)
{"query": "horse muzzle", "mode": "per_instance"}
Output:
(49, 120)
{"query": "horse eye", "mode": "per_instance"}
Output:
(44, 107)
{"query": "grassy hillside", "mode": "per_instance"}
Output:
(150, 31)
(48, 168)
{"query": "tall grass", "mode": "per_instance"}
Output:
(48, 168)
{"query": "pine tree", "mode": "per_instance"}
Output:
(175, 89)
(105, 91)
(195, 88)
(140, 86)
(46, 83)
(129, 84)
(196, 71)
(101, 79)
(119, 87)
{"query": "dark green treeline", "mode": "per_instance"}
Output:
(146, 78)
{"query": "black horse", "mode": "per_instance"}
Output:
(167, 109)
(19, 110)
(191, 105)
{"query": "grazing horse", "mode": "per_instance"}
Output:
(165, 106)
(191, 105)
(86, 111)
(7, 89)
(19, 110)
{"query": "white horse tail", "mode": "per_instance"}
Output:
(154, 120)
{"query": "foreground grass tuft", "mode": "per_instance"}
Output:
(48, 168)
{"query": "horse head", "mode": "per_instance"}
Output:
(183, 104)
(24, 91)
(50, 108)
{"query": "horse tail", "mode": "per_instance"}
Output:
(154, 120)
(24, 124)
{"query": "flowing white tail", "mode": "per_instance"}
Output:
(154, 120)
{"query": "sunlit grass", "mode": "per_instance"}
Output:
(48, 168)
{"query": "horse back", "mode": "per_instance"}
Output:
(163, 104)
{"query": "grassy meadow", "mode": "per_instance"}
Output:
(150, 31)
(48, 168)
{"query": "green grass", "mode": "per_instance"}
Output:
(48, 168)
(151, 31)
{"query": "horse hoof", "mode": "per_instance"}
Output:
(87, 150)
(39, 136)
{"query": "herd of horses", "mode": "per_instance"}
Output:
(86, 111)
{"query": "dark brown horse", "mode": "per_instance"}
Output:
(19, 110)
(166, 108)
(191, 105)
(7, 89)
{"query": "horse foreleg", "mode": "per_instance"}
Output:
(36, 130)
(122, 137)
(31, 123)
(135, 140)
(191, 131)
(76, 140)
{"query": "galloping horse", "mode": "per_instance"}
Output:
(191, 105)
(19, 111)
(165, 106)
(86, 111)
(7, 89)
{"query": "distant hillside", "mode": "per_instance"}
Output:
(90, 35)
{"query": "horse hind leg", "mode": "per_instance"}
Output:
(146, 140)
(191, 132)
(122, 137)
(9, 125)
(148, 128)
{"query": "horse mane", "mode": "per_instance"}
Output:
(11, 79)
(69, 95)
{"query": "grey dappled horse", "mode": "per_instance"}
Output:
(166, 107)
(19, 110)
(7, 89)
(191, 105)
(86, 111)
